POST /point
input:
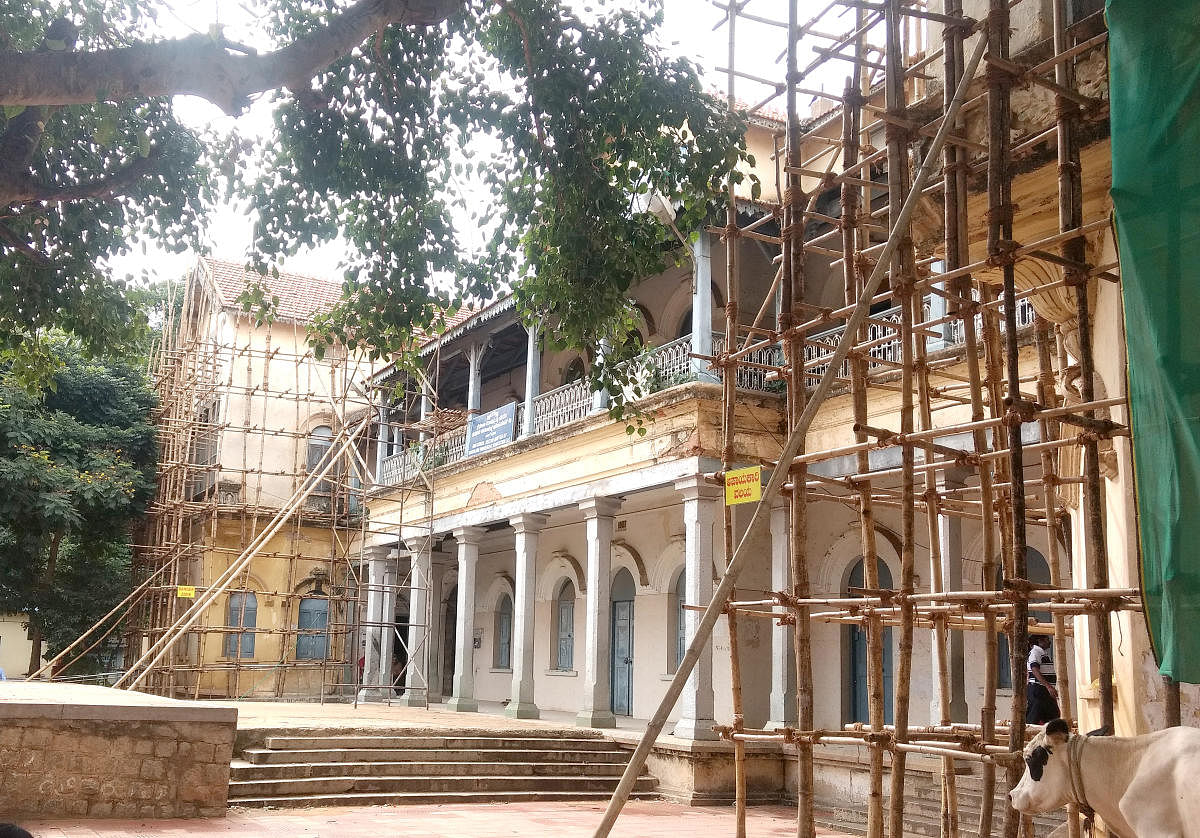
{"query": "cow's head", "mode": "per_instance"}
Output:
(1046, 784)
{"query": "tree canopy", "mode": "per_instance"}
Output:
(77, 464)
(379, 107)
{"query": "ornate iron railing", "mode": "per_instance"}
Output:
(668, 366)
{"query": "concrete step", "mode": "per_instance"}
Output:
(426, 798)
(264, 756)
(309, 786)
(243, 770)
(522, 742)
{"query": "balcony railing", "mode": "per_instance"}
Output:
(667, 366)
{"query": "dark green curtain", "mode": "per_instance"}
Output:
(1154, 66)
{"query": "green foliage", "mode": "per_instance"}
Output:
(567, 124)
(77, 464)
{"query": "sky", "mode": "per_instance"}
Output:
(690, 29)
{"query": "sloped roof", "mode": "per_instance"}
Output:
(300, 297)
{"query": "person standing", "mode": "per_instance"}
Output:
(1041, 696)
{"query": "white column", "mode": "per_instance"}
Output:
(397, 439)
(521, 704)
(381, 443)
(463, 700)
(475, 355)
(601, 398)
(436, 627)
(696, 703)
(533, 377)
(375, 630)
(951, 544)
(388, 585)
(597, 688)
(416, 681)
(427, 401)
(783, 659)
(702, 337)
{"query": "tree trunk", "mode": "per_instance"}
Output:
(35, 630)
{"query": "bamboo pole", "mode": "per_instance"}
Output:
(778, 477)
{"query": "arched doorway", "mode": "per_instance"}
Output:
(623, 591)
(400, 646)
(1037, 570)
(449, 627)
(857, 707)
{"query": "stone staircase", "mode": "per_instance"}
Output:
(466, 766)
(922, 809)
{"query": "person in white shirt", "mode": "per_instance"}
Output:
(1041, 697)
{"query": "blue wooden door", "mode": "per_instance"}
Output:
(856, 639)
(622, 657)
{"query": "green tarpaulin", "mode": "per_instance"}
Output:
(1154, 65)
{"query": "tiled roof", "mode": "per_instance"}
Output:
(300, 297)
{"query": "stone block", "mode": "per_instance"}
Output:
(36, 737)
(125, 809)
(143, 747)
(217, 773)
(101, 809)
(153, 769)
(184, 751)
(165, 748)
(89, 786)
(203, 751)
(212, 812)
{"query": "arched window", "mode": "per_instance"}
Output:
(574, 371)
(313, 616)
(242, 613)
(320, 440)
(858, 703)
(502, 652)
(564, 627)
(680, 617)
(1037, 570)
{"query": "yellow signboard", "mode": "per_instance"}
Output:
(185, 592)
(743, 485)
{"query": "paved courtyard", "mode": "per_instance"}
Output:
(641, 819)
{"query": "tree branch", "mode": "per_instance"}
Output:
(20, 190)
(198, 65)
(14, 241)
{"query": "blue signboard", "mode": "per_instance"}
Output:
(493, 429)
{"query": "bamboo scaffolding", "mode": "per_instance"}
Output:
(1005, 475)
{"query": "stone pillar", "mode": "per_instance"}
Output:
(475, 355)
(426, 402)
(521, 704)
(397, 439)
(951, 542)
(381, 443)
(463, 700)
(437, 571)
(416, 681)
(376, 629)
(597, 688)
(783, 658)
(702, 335)
(600, 398)
(533, 378)
(700, 508)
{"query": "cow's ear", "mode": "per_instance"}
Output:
(1058, 731)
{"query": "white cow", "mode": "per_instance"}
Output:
(1142, 786)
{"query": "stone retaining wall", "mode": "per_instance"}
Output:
(111, 760)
